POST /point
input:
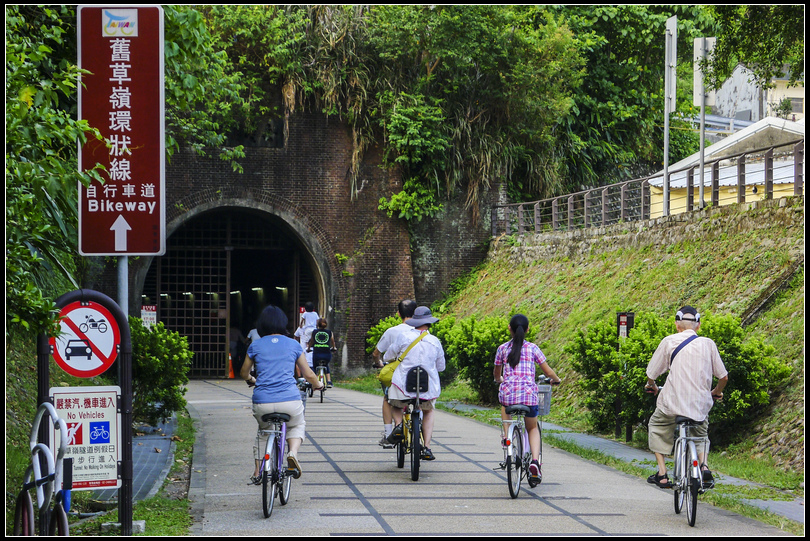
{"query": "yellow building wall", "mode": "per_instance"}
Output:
(728, 196)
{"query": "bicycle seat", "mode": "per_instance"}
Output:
(411, 383)
(275, 417)
(687, 421)
(518, 409)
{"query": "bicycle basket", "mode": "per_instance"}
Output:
(544, 399)
(410, 380)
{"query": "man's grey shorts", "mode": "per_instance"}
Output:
(661, 433)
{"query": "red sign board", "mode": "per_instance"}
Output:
(89, 339)
(122, 96)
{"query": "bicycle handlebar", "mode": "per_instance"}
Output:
(545, 380)
(654, 391)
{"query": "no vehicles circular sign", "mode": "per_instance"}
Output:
(89, 341)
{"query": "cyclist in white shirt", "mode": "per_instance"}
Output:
(383, 349)
(688, 391)
(427, 353)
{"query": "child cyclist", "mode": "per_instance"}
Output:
(322, 344)
(514, 368)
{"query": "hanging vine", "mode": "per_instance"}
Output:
(458, 97)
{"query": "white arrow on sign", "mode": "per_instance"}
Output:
(120, 227)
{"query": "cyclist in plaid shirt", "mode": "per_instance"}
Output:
(515, 370)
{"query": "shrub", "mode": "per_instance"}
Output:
(160, 364)
(440, 330)
(613, 377)
(472, 344)
(375, 333)
(753, 371)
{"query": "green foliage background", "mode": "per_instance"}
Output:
(160, 364)
(615, 370)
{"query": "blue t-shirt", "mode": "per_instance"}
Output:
(274, 357)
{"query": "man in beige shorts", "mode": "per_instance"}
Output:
(692, 362)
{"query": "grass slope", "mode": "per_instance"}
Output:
(719, 260)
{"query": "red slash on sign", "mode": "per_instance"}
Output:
(89, 339)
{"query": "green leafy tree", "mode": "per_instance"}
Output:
(459, 97)
(203, 89)
(160, 364)
(41, 165)
(42, 132)
(767, 39)
(616, 131)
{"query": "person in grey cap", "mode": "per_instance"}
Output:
(427, 353)
(692, 361)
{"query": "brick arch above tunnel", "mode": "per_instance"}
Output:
(311, 235)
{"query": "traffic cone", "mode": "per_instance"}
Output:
(230, 367)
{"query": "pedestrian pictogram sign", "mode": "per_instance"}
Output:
(122, 96)
(88, 343)
(93, 434)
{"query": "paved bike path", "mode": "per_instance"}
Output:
(351, 486)
(792, 509)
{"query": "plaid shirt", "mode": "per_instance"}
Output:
(519, 386)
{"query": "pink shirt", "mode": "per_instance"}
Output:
(519, 386)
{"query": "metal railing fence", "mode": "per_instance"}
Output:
(753, 175)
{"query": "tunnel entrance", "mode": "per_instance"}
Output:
(220, 270)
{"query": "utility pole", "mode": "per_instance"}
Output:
(670, 79)
(703, 46)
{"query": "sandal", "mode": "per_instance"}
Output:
(661, 481)
(255, 480)
(708, 478)
(427, 454)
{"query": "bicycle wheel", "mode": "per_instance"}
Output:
(24, 515)
(416, 445)
(284, 484)
(677, 477)
(268, 481)
(514, 463)
(322, 379)
(59, 521)
(692, 487)
(540, 456)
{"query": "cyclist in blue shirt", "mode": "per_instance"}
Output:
(275, 357)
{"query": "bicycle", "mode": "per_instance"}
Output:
(320, 370)
(517, 455)
(54, 486)
(412, 442)
(687, 477)
(275, 477)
